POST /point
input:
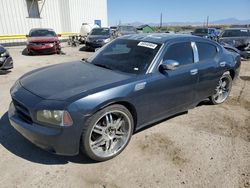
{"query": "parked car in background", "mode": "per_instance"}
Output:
(210, 33)
(238, 38)
(125, 30)
(6, 61)
(113, 28)
(98, 37)
(43, 41)
(136, 80)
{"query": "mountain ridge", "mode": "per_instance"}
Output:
(226, 21)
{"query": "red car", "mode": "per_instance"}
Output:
(43, 41)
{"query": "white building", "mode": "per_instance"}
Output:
(17, 17)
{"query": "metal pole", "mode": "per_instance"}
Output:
(161, 21)
(207, 20)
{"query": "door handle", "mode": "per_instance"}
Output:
(223, 64)
(194, 71)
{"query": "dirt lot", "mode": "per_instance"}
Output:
(207, 147)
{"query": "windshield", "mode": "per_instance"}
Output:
(128, 56)
(205, 31)
(236, 33)
(127, 28)
(100, 31)
(42, 33)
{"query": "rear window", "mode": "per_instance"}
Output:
(206, 51)
(236, 33)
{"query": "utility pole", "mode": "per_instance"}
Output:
(207, 20)
(161, 21)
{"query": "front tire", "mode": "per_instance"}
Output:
(107, 133)
(222, 90)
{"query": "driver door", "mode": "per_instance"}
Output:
(171, 91)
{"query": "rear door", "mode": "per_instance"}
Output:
(210, 69)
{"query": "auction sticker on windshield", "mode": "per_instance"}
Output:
(147, 45)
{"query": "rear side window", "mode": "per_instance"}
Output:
(180, 52)
(206, 51)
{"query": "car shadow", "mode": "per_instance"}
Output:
(84, 49)
(21, 147)
(4, 72)
(245, 78)
(25, 52)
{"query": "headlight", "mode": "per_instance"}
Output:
(106, 40)
(87, 39)
(54, 117)
(6, 53)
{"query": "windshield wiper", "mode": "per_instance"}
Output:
(103, 66)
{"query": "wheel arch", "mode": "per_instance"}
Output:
(131, 108)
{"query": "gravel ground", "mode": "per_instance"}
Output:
(207, 147)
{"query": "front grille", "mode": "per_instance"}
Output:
(43, 43)
(22, 111)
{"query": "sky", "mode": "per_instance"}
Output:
(148, 11)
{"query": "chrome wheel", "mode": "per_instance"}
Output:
(110, 134)
(223, 89)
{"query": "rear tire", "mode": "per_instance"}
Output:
(222, 90)
(107, 133)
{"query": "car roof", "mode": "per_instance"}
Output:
(240, 28)
(161, 37)
(34, 29)
(101, 28)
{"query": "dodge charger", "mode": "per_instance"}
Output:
(95, 105)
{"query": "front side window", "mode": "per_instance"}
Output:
(180, 52)
(206, 51)
(128, 56)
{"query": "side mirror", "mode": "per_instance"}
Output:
(59, 35)
(169, 65)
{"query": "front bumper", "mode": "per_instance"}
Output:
(6, 63)
(94, 45)
(43, 49)
(58, 140)
(245, 54)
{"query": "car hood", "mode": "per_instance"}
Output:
(236, 41)
(42, 39)
(127, 32)
(200, 34)
(67, 80)
(98, 36)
